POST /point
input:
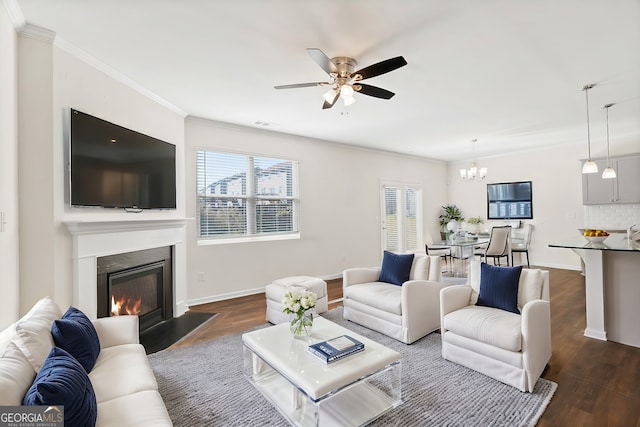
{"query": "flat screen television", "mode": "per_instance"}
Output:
(510, 200)
(115, 167)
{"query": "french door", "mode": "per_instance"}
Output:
(401, 217)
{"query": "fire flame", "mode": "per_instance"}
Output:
(125, 305)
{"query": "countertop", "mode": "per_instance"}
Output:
(615, 242)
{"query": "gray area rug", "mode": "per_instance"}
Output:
(203, 385)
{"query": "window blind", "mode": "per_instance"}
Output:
(402, 221)
(243, 195)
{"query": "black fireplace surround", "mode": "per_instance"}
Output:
(139, 283)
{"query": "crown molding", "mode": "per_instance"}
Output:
(38, 33)
(115, 74)
(15, 14)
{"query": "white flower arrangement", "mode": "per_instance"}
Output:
(297, 301)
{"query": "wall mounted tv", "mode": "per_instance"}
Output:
(114, 167)
(510, 200)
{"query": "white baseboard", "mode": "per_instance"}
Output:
(225, 296)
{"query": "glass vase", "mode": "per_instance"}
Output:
(301, 324)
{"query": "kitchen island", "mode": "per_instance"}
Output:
(612, 286)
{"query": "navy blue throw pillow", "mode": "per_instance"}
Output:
(395, 268)
(62, 381)
(499, 287)
(76, 334)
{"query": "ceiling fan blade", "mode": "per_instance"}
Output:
(381, 67)
(327, 105)
(375, 91)
(297, 85)
(322, 60)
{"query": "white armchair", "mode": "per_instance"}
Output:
(405, 313)
(512, 348)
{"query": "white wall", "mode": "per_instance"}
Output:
(51, 80)
(9, 237)
(557, 196)
(35, 166)
(339, 210)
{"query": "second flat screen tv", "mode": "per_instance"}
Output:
(510, 200)
(115, 167)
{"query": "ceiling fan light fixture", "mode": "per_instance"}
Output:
(330, 95)
(341, 71)
(349, 100)
(346, 91)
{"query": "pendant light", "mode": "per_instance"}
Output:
(473, 172)
(608, 173)
(589, 166)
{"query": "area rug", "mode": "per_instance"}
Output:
(203, 384)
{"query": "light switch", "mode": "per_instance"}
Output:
(3, 221)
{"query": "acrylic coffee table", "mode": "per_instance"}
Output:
(307, 392)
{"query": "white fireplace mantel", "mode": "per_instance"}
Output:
(94, 239)
(96, 227)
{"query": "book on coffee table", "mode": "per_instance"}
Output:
(336, 348)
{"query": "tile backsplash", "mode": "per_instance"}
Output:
(612, 217)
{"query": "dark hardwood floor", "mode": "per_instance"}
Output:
(598, 382)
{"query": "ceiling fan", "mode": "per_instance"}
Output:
(344, 81)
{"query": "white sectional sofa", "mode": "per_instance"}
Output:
(125, 388)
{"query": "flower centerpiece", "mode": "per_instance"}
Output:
(299, 303)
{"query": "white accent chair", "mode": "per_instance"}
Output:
(512, 348)
(405, 313)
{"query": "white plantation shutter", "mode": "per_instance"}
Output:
(242, 195)
(402, 221)
(410, 228)
(391, 234)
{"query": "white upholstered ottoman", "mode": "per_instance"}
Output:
(275, 294)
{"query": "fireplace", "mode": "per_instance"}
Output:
(137, 283)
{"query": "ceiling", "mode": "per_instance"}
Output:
(508, 73)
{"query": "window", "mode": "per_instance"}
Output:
(243, 196)
(401, 218)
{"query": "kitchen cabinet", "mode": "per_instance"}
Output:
(622, 189)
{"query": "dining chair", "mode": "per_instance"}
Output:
(478, 251)
(439, 250)
(523, 246)
(499, 244)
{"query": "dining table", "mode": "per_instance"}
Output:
(462, 249)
